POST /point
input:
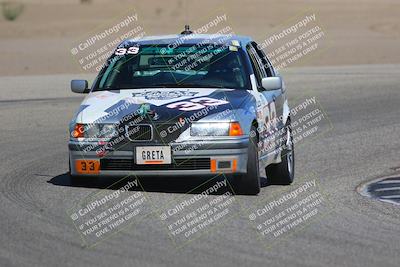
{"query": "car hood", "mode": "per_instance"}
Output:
(113, 105)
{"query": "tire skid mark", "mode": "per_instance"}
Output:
(22, 189)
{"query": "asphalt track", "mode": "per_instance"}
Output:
(362, 103)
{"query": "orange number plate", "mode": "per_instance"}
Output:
(87, 166)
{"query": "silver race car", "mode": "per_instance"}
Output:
(184, 105)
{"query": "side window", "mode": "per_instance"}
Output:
(267, 66)
(260, 64)
(254, 63)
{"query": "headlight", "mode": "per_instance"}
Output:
(94, 131)
(215, 129)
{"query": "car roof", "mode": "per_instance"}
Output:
(188, 39)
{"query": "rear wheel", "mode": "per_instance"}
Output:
(283, 173)
(249, 183)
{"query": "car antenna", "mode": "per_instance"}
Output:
(187, 30)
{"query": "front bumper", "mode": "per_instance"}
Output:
(189, 158)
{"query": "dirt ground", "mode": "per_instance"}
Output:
(39, 41)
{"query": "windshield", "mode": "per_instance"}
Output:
(149, 66)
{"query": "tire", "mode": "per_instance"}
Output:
(283, 173)
(249, 183)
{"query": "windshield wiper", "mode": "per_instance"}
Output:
(169, 85)
(163, 85)
(189, 85)
(117, 88)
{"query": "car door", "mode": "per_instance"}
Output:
(272, 108)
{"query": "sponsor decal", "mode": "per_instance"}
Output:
(163, 95)
(235, 43)
(144, 109)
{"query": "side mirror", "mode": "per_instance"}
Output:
(271, 83)
(79, 86)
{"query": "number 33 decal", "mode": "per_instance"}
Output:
(197, 103)
(133, 50)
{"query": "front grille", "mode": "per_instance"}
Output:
(177, 164)
(161, 132)
(139, 132)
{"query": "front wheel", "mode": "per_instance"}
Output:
(249, 183)
(283, 173)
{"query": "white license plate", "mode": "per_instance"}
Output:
(153, 155)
